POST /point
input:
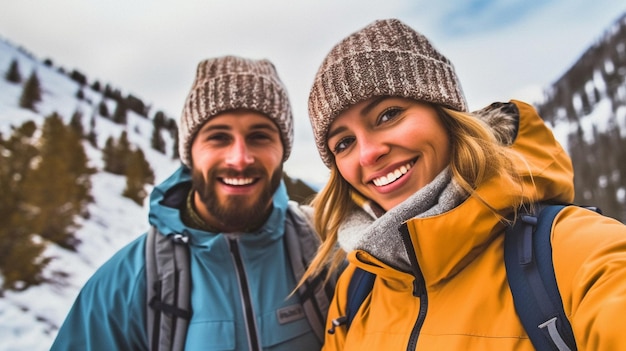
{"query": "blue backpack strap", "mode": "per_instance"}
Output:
(360, 286)
(530, 272)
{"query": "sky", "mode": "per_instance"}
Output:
(150, 48)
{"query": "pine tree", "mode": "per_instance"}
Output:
(103, 109)
(159, 119)
(80, 95)
(59, 187)
(13, 75)
(116, 154)
(76, 123)
(31, 94)
(175, 154)
(119, 115)
(21, 253)
(138, 174)
(92, 136)
(157, 141)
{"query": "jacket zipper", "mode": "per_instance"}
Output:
(419, 287)
(248, 310)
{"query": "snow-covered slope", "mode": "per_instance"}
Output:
(29, 320)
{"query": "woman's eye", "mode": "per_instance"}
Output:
(389, 114)
(342, 144)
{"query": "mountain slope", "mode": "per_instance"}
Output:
(586, 108)
(29, 320)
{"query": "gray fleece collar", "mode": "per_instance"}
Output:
(380, 237)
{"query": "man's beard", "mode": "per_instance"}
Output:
(237, 213)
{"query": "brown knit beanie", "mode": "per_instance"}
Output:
(229, 83)
(386, 58)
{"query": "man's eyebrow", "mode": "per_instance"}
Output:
(266, 125)
(223, 127)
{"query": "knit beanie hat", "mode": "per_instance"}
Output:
(386, 58)
(227, 83)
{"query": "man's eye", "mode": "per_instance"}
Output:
(217, 137)
(389, 114)
(342, 144)
(260, 136)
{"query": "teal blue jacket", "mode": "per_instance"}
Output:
(110, 311)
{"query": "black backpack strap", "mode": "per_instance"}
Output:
(530, 272)
(168, 288)
(302, 242)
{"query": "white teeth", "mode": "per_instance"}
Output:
(238, 181)
(393, 176)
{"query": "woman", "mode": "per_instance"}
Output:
(420, 193)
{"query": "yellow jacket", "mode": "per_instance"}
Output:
(458, 298)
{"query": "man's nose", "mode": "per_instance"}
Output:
(239, 155)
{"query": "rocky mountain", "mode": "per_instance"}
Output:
(586, 108)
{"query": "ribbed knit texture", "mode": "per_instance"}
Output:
(228, 83)
(386, 58)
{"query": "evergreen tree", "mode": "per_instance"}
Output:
(159, 119)
(138, 174)
(31, 94)
(92, 136)
(96, 86)
(21, 253)
(109, 156)
(103, 109)
(13, 75)
(60, 185)
(157, 141)
(116, 154)
(119, 115)
(80, 95)
(76, 123)
(175, 154)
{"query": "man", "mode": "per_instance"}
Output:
(230, 206)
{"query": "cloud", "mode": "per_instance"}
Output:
(462, 18)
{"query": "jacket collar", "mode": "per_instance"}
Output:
(169, 197)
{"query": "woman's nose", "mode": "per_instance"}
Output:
(371, 150)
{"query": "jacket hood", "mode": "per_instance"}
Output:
(168, 197)
(545, 167)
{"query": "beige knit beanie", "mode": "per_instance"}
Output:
(386, 58)
(228, 83)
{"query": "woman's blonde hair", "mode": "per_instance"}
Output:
(477, 155)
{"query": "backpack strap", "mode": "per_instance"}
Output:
(360, 286)
(168, 282)
(530, 272)
(302, 242)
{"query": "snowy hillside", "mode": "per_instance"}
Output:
(29, 320)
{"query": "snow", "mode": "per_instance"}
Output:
(29, 320)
